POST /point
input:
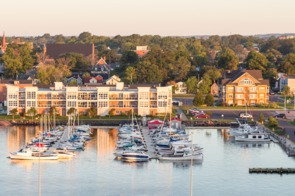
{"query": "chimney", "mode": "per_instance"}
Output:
(4, 42)
(92, 56)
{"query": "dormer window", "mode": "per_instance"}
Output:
(246, 81)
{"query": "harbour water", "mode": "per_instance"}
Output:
(224, 170)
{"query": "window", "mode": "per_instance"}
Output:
(240, 96)
(240, 102)
(230, 88)
(31, 95)
(102, 95)
(230, 96)
(246, 81)
(252, 89)
(71, 95)
(162, 104)
(12, 103)
(261, 95)
(240, 89)
(103, 104)
(82, 104)
(144, 95)
(12, 96)
(252, 96)
(162, 95)
(261, 89)
(71, 103)
(144, 104)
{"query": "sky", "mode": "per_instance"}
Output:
(151, 17)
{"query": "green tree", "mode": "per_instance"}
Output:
(256, 60)
(112, 112)
(205, 85)
(286, 91)
(32, 112)
(272, 122)
(130, 74)
(48, 74)
(227, 59)
(212, 72)
(261, 118)
(13, 112)
(288, 65)
(129, 57)
(209, 100)
(71, 111)
(92, 112)
(198, 99)
(17, 60)
(75, 61)
(148, 72)
(86, 75)
(192, 84)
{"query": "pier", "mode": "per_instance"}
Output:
(272, 170)
(149, 143)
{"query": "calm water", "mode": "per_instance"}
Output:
(224, 170)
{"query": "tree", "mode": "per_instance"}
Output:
(148, 72)
(71, 111)
(92, 112)
(13, 112)
(261, 118)
(192, 84)
(17, 60)
(32, 112)
(48, 74)
(129, 57)
(112, 112)
(205, 85)
(209, 100)
(212, 72)
(272, 122)
(86, 75)
(130, 74)
(227, 59)
(198, 99)
(288, 65)
(75, 61)
(286, 90)
(256, 60)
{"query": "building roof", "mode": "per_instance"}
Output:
(231, 76)
(55, 50)
(13, 81)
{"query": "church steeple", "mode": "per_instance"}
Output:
(4, 45)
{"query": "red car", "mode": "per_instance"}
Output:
(202, 116)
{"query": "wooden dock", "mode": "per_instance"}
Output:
(149, 143)
(272, 170)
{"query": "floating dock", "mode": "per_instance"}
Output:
(272, 170)
(149, 143)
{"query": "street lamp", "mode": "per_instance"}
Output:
(222, 116)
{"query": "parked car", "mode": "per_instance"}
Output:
(280, 116)
(245, 115)
(271, 93)
(202, 115)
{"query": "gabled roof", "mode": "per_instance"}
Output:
(231, 76)
(55, 50)
(101, 61)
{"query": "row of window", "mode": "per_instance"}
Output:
(241, 96)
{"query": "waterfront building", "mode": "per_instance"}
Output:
(142, 99)
(141, 51)
(284, 80)
(180, 88)
(244, 87)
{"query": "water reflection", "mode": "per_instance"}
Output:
(253, 144)
(105, 142)
(20, 136)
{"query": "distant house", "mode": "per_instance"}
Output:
(93, 80)
(113, 80)
(141, 50)
(77, 79)
(101, 68)
(180, 88)
(282, 80)
(214, 89)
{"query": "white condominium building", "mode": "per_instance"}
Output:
(144, 100)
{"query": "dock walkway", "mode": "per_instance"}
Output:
(149, 143)
(65, 137)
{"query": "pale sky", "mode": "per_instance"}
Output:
(153, 17)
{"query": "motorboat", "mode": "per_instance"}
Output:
(186, 156)
(253, 137)
(134, 156)
(27, 154)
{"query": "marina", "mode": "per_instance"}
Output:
(98, 170)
